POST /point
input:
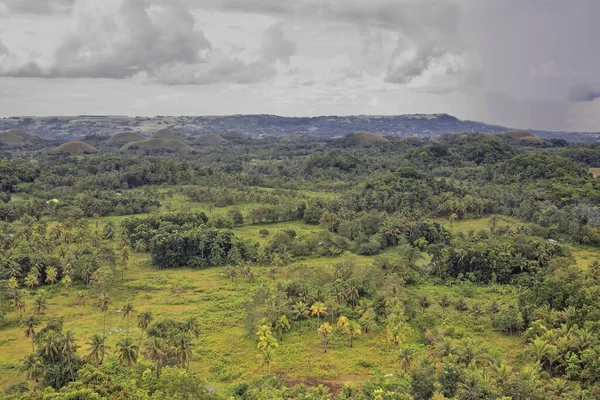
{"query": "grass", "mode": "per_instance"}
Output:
(594, 171)
(225, 352)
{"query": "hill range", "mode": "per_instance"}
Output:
(257, 126)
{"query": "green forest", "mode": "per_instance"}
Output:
(364, 267)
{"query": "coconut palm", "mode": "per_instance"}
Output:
(66, 283)
(444, 301)
(126, 352)
(34, 368)
(282, 325)
(183, 351)
(191, 327)
(40, 305)
(12, 285)
(353, 330)
(81, 298)
(98, 349)
(31, 280)
(144, 319)
(406, 357)
(325, 330)
(51, 275)
(300, 310)
(395, 334)
(319, 310)
(103, 303)
(30, 322)
(18, 303)
(68, 346)
(127, 311)
(263, 331)
(156, 351)
(51, 345)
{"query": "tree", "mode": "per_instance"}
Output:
(282, 325)
(12, 285)
(300, 310)
(34, 368)
(156, 351)
(395, 334)
(406, 357)
(353, 330)
(31, 280)
(98, 349)
(144, 319)
(81, 298)
(127, 311)
(319, 310)
(191, 327)
(325, 330)
(30, 322)
(51, 275)
(66, 283)
(267, 345)
(444, 301)
(40, 304)
(103, 303)
(183, 351)
(126, 352)
(18, 303)
(51, 344)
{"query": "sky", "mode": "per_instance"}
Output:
(520, 63)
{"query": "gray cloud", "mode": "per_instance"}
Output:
(275, 46)
(584, 93)
(157, 42)
(38, 6)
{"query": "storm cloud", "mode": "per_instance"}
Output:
(521, 64)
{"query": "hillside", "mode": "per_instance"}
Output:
(169, 135)
(157, 144)
(233, 135)
(523, 136)
(125, 137)
(254, 126)
(363, 138)
(16, 138)
(75, 147)
(209, 139)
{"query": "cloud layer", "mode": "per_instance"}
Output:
(522, 64)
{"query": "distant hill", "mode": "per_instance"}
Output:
(75, 148)
(523, 136)
(157, 144)
(233, 136)
(209, 139)
(257, 126)
(16, 138)
(364, 138)
(125, 137)
(170, 135)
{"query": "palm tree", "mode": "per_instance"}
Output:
(183, 350)
(34, 368)
(300, 310)
(406, 357)
(51, 275)
(396, 334)
(144, 320)
(353, 330)
(263, 331)
(126, 352)
(66, 283)
(81, 298)
(31, 280)
(282, 325)
(41, 305)
(51, 345)
(30, 322)
(319, 310)
(325, 329)
(444, 301)
(156, 351)
(13, 285)
(68, 343)
(103, 303)
(98, 349)
(191, 327)
(18, 303)
(127, 311)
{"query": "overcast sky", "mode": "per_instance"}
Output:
(520, 63)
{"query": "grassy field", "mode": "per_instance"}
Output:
(220, 304)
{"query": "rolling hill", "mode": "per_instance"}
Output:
(170, 135)
(16, 138)
(157, 144)
(125, 137)
(363, 138)
(209, 139)
(75, 147)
